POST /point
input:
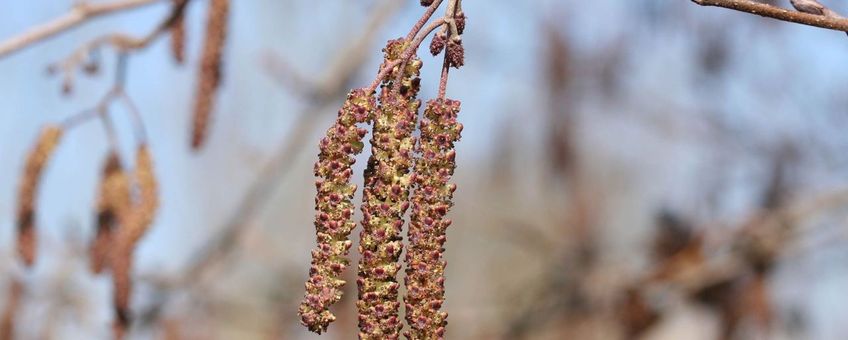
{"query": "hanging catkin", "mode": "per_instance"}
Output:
(431, 200)
(334, 209)
(134, 224)
(112, 201)
(178, 34)
(28, 191)
(385, 197)
(210, 70)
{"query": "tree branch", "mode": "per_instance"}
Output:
(769, 11)
(79, 14)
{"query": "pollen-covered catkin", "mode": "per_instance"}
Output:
(385, 198)
(28, 191)
(113, 200)
(431, 200)
(178, 34)
(334, 209)
(210, 70)
(134, 224)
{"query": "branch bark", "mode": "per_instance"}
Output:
(774, 12)
(79, 14)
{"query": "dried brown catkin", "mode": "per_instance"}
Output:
(10, 311)
(178, 34)
(113, 200)
(210, 70)
(28, 190)
(134, 224)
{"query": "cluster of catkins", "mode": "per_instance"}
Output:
(122, 219)
(402, 172)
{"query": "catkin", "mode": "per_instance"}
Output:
(431, 200)
(210, 69)
(385, 200)
(178, 34)
(385, 197)
(28, 191)
(334, 209)
(113, 201)
(134, 224)
(10, 311)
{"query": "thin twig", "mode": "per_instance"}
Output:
(424, 18)
(443, 81)
(79, 14)
(450, 13)
(122, 42)
(774, 12)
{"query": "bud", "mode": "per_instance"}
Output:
(437, 45)
(455, 52)
(459, 19)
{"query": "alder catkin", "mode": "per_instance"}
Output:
(209, 76)
(28, 191)
(134, 224)
(178, 33)
(385, 197)
(113, 200)
(431, 200)
(334, 209)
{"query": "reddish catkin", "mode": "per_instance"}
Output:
(134, 224)
(28, 191)
(334, 209)
(385, 198)
(431, 201)
(113, 200)
(210, 70)
(178, 34)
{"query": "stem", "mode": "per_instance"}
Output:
(774, 12)
(443, 81)
(450, 12)
(79, 118)
(426, 17)
(109, 128)
(78, 15)
(138, 123)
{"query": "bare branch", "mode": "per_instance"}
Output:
(79, 14)
(774, 12)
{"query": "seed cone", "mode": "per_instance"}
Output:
(334, 209)
(210, 69)
(28, 191)
(134, 224)
(113, 200)
(431, 201)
